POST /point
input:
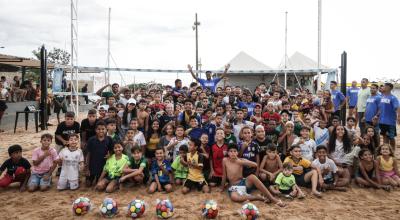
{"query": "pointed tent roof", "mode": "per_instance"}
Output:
(243, 61)
(300, 61)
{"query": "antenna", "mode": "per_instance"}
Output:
(107, 74)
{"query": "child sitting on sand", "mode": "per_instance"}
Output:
(180, 170)
(239, 186)
(18, 169)
(112, 171)
(388, 168)
(286, 183)
(327, 171)
(137, 169)
(44, 162)
(217, 154)
(302, 171)
(368, 174)
(271, 165)
(194, 161)
(161, 172)
(71, 162)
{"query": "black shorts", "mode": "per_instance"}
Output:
(286, 192)
(388, 130)
(329, 181)
(162, 184)
(300, 180)
(215, 179)
(92, 178)
(3, 106)
(194, 185)
(58, 109)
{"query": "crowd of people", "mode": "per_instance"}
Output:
(211, 138)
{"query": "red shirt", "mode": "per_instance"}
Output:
(218, 154)
(274, 116)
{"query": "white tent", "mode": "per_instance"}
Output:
(243, 61)
(299, 61)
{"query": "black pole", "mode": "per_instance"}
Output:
(343, 80)
(43, 88)
(23, 70)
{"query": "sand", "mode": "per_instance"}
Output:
(357, 203)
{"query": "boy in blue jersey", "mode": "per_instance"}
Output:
(351, 98)
(208, 83)
(338, 98)
(389, 114)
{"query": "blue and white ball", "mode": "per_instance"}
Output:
(109, 208)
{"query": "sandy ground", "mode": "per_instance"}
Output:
(355, 204)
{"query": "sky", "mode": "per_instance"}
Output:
(159, 34)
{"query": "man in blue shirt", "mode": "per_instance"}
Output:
(249, 104)
(389, 114)
(351, 98)
(338, 98)
(209, 83)
(371, 111)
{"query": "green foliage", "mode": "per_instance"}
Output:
(56, 55)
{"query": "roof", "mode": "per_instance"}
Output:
(243, 61)
(300, 61)
(21, 62)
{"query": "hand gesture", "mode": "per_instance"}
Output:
(190, 67)
(227, 66)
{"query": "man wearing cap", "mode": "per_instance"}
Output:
(127, 96)
(114, 91)
(209, 83)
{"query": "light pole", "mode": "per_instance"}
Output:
(195, 28)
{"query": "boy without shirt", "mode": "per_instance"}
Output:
(233, 172)
(143, 116)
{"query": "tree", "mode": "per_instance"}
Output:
(56, 55)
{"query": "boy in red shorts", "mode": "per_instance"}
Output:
(18, 168)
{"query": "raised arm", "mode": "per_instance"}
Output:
(226, 70)
(190, 68)
(102, 89)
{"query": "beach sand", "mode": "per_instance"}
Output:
(357, 203)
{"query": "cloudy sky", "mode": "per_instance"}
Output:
(158, 34)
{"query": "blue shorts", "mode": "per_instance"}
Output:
(241, 188)
(37, 180)
(388, 130)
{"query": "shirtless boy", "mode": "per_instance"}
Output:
(232, 167)
(143, 116)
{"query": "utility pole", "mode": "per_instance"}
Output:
(107, 74)
(286, 56)
(319, 44)
(196, 27)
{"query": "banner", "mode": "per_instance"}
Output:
(58, 74)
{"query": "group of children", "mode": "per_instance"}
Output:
(276, 150)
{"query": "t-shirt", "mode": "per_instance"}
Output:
(338, 155)
(138, 139)
(372, 107)
(155, 170)
(90, 129)
(262, 146)
(217, 154)
(285, 182)
(164, 119)
(180, 171)
(47, 163)
(272, 116)
(230, 139)
(321, 135)
(250, 152)
(70, 163)
(98, 150)
(133, 164)
(194, 174)
(210, 84)
(249, 105)
(363, 95)
(65, 131)
(238, 126)
(210, 129)
(388, 106)
(272, 135)
(114, 167)
(12, 167)
(302, 162)
(352, 93)
(307, 149)
(329, 165)
(337, 98)
(175, 152)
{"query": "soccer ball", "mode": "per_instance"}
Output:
(136, 208)
(209, 209)
(164, 209)
(109, 208)
(249, 211)
(81, 206)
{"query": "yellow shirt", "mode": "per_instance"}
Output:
(386, 165)
(302, 162)
(153, 142)
(195, 174)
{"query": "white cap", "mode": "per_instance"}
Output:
(131, 101)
